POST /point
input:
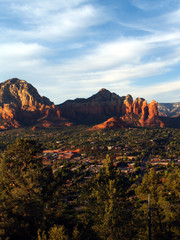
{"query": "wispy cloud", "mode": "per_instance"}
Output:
(53, 21)
(160, 92)
(23, 61)
(115, 65)
(75, 47)
(129, 55)
(154, 5)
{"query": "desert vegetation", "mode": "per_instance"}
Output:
(72, 183)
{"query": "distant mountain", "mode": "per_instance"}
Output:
(111, 123)
(94, 109)
(21, 105)
(169, 109)
(104, 105)
(20, 93)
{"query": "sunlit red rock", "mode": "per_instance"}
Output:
(127, 106)
(111, 123)
(21, 104)
(104, 105)
(137, 105)
(153, 109)
(94, 109)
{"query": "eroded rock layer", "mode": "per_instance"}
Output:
(111, 123)
(21, 104)
(105, 105)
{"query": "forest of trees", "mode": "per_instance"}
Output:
(110, 206)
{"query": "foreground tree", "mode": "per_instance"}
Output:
(165, 208)
(21, 204)
(56, 232)
(107, 205)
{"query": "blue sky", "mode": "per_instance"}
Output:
(73, 48)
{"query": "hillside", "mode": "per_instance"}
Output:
(21, 105)
(169, 109)
(104, 105)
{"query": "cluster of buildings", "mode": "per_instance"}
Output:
(57, 158)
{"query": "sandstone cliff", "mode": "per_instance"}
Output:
(169, 109)
(111, 123)
(21, 104)
(104, 105)
(95, 109)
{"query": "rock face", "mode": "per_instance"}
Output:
(21, 104)
(127, 106)
(105, 105)
(95, 109)
(137, 105)
(150, 116)
(111, 123)
(169, 109)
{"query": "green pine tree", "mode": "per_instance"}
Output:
(21, 205)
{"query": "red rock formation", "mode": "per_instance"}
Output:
(7, 112)
(127, 106)
(153, 109)
(97, 108)
(153, 117)
(150, 116)
(137, 105)
(145, 113)
(111, 123)
(21, 104)
(105, 105)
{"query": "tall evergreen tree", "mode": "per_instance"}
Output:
(165, 207)
(21, 205)
(108, 205)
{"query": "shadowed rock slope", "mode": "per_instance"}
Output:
(94, 109)
(111, 123)
(21, 104)
(104, 105)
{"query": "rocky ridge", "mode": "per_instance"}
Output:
(21, 105)
(104, 105)
(169, 109)
(111, 123)
(94, 109)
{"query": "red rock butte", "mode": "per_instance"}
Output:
(21, 105)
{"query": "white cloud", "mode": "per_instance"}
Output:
(67, 24)
(125, 58)
(119, 63)
(114, 65)
(160, 91)
(55, 20)
(154, 4)
(38, 9)
(173, 18)
(107, 56)
(21, 56)
(21, 49)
